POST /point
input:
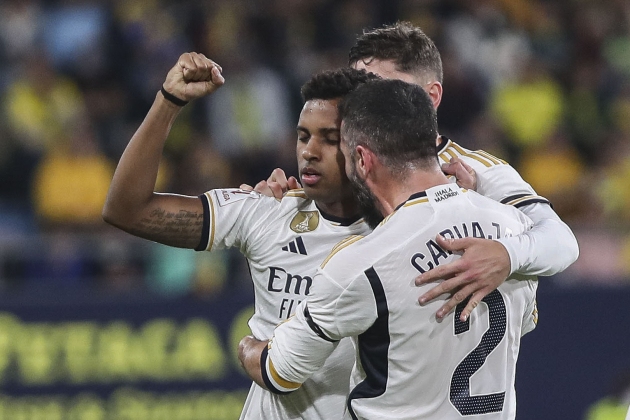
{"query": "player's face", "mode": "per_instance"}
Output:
(320, 161)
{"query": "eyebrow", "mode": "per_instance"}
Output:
(324, 131)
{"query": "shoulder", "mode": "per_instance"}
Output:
(491, 206)
(225, 197)
(478, 159)
(337, 249)
(296, 195)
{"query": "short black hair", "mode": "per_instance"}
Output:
(394, 119)
(406, 45)
(332, 84)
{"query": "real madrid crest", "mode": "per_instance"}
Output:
(305, 221)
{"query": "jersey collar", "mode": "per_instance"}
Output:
(342, 221)
(443, 144)
(412, 197)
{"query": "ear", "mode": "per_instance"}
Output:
(434, 90)
(365, 160)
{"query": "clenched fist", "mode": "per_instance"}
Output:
(193, 76)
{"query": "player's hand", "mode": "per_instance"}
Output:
(275, 186)
(466, 176)
(483, 267)
(193, 76)
(249, 351)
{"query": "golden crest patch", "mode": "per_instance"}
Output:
(305, 221)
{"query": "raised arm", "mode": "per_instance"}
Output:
(132, 204)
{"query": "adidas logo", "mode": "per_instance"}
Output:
(296, 246)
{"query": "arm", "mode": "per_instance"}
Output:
(301, 345)
(294, 353)
(131, 204)
(548, 248)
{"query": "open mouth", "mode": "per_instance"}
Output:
(310, 176)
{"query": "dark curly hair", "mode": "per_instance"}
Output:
(331, 84)
(406, 45)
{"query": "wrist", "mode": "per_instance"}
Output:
(510, 244)
(172, 98)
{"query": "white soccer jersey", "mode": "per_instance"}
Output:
(409, 365)
(284, 243)
(547, 249)
(496, 179)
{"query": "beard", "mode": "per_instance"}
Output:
(366, 201)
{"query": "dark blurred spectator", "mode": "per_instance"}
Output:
(71, 182)
(530, 107)
(544, 84)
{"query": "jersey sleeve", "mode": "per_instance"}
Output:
(296, 351)
(301, 345)
(233, 217)
(504, 184)
(548, 248)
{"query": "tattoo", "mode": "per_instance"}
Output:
(177, 229)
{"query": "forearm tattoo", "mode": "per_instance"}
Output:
(179, 229)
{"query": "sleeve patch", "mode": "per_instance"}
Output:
(233, 195)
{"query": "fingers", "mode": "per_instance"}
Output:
(294, 184)
(217, 78)
(447, 286)
(471, 305)
(278, 183)
(447, 270)
(452, 244)
(193, 76)
(465, 174)
(263, 188)
(276, 189)
(441, 272)
(457, 298)
(246, 187)
(278, 175)
(199, 69)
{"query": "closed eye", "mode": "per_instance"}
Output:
(303, 135)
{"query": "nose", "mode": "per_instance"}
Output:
(311, 151)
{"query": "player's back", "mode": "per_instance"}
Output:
(412, 366)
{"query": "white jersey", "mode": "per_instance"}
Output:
(284, 243)
(550, 247)
(409, 365)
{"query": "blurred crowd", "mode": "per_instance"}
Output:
(544, 84)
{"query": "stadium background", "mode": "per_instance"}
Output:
(95, 324)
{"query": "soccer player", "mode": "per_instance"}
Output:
(283, 241)
(409, 365)
(402, 51)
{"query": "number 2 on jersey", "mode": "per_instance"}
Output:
(460, 396)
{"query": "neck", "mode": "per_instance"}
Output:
(392, 191)
(344, 209)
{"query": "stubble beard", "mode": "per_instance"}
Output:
(365, 200)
